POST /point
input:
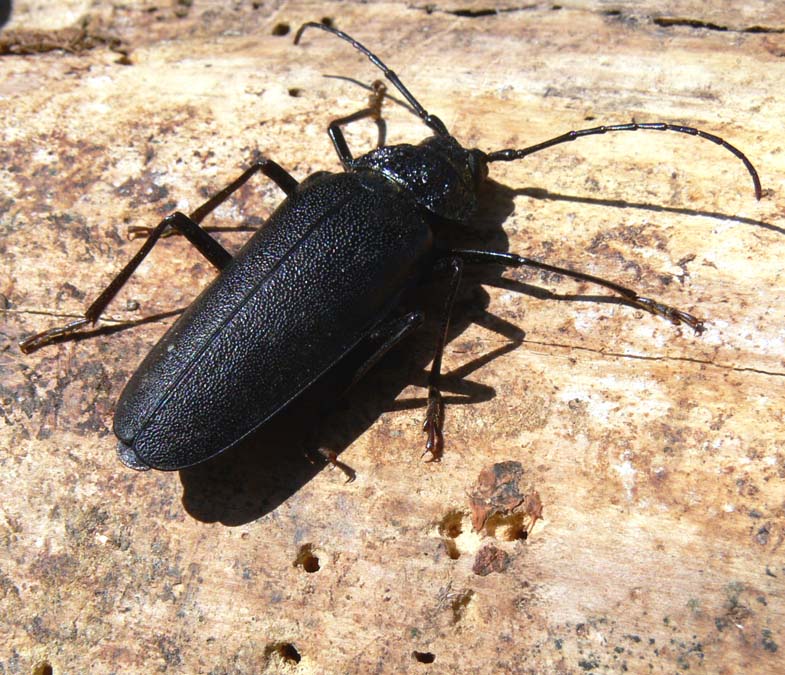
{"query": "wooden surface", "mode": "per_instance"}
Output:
(658, 454)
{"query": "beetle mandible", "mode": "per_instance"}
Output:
(320, 280)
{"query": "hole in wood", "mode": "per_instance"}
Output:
(289, 653)
(508, 527)
(423, 657)
(452, 549)
(285, 651)
(281, 29)
(451, 526)
(459, 605)
(307, 559)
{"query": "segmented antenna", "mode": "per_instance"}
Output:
(511, 154)
(433, 122)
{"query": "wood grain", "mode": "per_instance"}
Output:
(658, 454)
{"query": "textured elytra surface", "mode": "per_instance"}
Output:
(271, 326)
(657, 454)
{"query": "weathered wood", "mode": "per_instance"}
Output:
(658, 454)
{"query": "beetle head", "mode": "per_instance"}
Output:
(439, 174)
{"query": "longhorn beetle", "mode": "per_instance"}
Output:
(319, 281)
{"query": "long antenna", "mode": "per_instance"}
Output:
(433, 122)
(511, 154)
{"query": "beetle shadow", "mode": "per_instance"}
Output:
(257, 475)
(5, 12)
(260, 473)
(547, 195)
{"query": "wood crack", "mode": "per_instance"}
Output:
(476, 13)
(668, 22)
(644, 357)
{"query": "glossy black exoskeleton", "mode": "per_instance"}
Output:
(319, 281)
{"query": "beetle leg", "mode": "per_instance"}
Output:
(369, 352)
(331, 457)
(268, 167)
(674, 315)
(434, 415)
(390, 333)
(206, 245)
(374, 110)
(275, 172)
(189, 227)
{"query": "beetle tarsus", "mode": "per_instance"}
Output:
(433, 425)
(331, 457)
(35, 342)
(672, 314)
(143, 231)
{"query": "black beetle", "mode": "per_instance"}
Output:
(319, 281)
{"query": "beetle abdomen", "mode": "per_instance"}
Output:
(296, 298)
